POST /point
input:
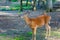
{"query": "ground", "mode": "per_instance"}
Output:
(13, 25)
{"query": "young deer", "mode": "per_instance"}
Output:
(39, 21)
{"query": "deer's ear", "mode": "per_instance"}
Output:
(27, 12)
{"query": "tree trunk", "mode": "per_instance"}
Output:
(49, 4)
(34, 5)
(38, 2)
(21, 5)
(27, 3)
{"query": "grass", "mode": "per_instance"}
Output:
(55, 33)
(28, 36)
(3, 34)
(5, 37)
(25, 36)
(41, 36)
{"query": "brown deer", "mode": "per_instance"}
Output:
(39, 21)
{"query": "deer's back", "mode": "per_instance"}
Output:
(40, 20)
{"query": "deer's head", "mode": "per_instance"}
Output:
(24, 15)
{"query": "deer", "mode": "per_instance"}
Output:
(39, 21)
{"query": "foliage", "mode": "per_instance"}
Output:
(25, 36)
(54, 1)
(13, 0)
(16, 7)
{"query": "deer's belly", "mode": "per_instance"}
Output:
(41, 24)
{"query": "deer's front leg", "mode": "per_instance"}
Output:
(34, 34)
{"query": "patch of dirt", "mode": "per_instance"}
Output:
(53, 38)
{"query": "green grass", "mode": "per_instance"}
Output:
(25, 36)
(28, 35)
(55, 33)
(40, 35)
(3, 34)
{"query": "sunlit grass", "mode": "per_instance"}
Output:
(42, 35)
(28, 36)
(55, 33)
(6, 38)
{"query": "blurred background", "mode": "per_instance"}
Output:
(12, 27)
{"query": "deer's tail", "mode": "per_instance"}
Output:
(45, 13)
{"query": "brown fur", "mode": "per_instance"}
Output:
(39, 21)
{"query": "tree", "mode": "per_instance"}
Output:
(21, 5)
(34, 5)
(26, 2)
(49, 5)
(13, 0)
(38, 2)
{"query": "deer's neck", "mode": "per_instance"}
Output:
(27, 19)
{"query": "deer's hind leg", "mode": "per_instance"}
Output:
(48, 30)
